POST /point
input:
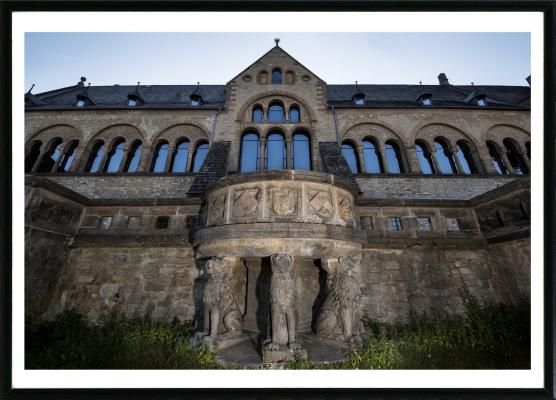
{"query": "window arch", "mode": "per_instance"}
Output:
(160, 157)
(393, 157)
(199, 156)
(276, 112)
(496, 158)
(276, 76)
(179, 158)
(294, 115)
(134, 156)
(97, 155)
(371, 155)
(465, 159)
(515, 158)
(50, 158)
(33, 155)
(301, 151)
(445, 158)
(67, 158)
(425, 158)
(257, 114)
(115, 156)
(249, 153)
(275, 156)
(350, 154)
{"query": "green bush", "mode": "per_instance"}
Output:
(69, 342)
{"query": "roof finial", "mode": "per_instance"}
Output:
(472, 84)
(420, 82)
(138, 83)
(31, 88)
(277, 40)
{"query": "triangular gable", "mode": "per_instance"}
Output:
(275, 48)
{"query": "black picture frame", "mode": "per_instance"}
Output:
(548, 8)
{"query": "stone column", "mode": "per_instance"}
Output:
(145, 159)
(43, 153)
(525, 160)
(412, 160)
(435, 162)
(190, 150)
(454, 151)
(506, 161)
(171, 149)
(262, 155)
(485, 157)
(79, 160)
(104, 158)
(382, 152)
(362, 165)
(123, 161)
(289, 154)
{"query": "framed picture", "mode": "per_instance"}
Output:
(210, 200)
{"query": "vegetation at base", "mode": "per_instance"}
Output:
(489, 336)
(69, 342)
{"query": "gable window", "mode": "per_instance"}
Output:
(179, 158)
(50, 159)
(395, 223)
(496, 159)
(96, 157)
(425, 158)
(276, 112)
(132, 162)
(33, 155)
(196, 100)
(350, 155)
(131, 101)
(359, 99)
(160, 156)
(426, 100)
(393, 158)
(199, 156)
(67, 158)
(275, 151)
(276, 76)
(80, 102)
(249, 152)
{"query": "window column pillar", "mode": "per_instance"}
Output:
(58, 160)
(123, 161)
(506, 161)
(190, 150)
(79, 159)
(382, 154)
(484, 155)
(454, 151)
(412, 160)
(104, 158)
(43, 151)
(145, 158)
(525, 159)
(262, 155)
(171, 149)
(289, 154)
(435, 161)
(362, 166)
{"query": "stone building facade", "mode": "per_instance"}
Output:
(131, 189)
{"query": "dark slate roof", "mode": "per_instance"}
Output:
(442, 95)
(214, 96)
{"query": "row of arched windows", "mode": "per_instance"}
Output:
(442, 158)
(118, 158)
(274, 152)
(276, 113)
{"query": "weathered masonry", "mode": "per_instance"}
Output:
(301, 207)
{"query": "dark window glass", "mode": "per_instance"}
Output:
(496, 159)
(160, 157)
(359, 100)
(424, 223)
(249, 153)
(275, 152)
(465, 159)
(134, 157)
(453, 224)
(32, 155)
(444, 158)
(294, 114)
(528, 147)
(515, 159)
(132, 101)
(162, 222)
(97, 154)
(276, 76)
(50, 159)
(373, 162)
(276, 112)
(301, 151)
(481, 102)
(115, 156)
(67, 158)
(196, 101)
(350, 154)
(199, 156)
(393, 157)
(179, 159)
(366, 223)
(426, 101)
(80, 103)
(395, 223)
(425, 159)
(258, 114)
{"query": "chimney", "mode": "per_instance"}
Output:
(528, 79)
(442, 79)
(82, 81)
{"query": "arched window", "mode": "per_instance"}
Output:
(496, 158)
(276, 76)
(294, 115)
(96, 157)
(179, 158)
(67, 158)
(115, 156)
(444, 157)
(301, 151)
(528, 147)
(515, 158)
(32, 155)
(350, 154)
(425, 158)
(393, 157)
(199, 156)
(49, 159)
(258, 114)
(276, 112)
(465, 158)
(249, 152)
(134, 156)
(371, 155)
(275, 151)
(160, 157)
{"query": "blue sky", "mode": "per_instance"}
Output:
(54, 60)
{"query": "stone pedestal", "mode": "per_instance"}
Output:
(283, 355)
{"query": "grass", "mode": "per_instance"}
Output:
(488, 336)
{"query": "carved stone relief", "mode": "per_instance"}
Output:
(217, 209)
(319, 203)
(283, 200)
(345, 208)
(246, 203)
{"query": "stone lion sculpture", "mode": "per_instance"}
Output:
(222, 316)
(282, 302)
(340, 315)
